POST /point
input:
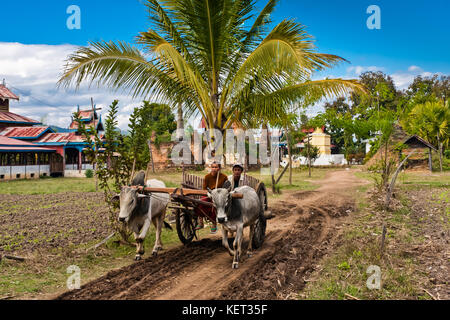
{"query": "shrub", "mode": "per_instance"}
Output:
(89, 173)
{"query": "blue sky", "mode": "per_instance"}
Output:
(414, 39)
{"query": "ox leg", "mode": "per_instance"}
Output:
(225, 241)
(158, 244)
(237, 247)
(249, 247)
(140, 240)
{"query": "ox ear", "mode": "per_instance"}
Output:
(209, 192)
(140, 196)
(115, 198)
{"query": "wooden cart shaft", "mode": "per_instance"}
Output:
(181, 191)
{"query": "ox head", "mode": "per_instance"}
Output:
(128, 198)
(221, 199)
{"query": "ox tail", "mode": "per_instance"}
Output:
(167, 226)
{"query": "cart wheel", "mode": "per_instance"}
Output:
(262, 194)
(185, 224)
(260, 232)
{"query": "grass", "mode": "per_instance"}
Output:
(47, 186)
(415, 179)
(344, 273)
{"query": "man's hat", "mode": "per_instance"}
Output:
(238, 165)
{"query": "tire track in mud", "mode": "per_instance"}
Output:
(296, 239)
(130, 280)
(280, 274)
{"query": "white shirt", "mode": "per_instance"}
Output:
(231, 179)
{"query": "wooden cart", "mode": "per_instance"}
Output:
(185, 203)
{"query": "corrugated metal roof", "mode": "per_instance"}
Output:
(60, 137)
(23, 132)
(5, 93)
(15, 118)
(86, 114)
(74, 124)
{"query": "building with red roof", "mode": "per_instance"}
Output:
(28, 149)
(90, 119)
(5, 96)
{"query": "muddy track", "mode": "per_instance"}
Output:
(297, 238)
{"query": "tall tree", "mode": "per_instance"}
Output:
(382, 93)
(216, 56)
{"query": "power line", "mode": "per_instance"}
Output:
(36, 99)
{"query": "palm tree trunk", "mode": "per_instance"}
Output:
(180, 122)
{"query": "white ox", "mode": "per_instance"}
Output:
(138, 211)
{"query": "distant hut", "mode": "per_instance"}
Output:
(416, 144)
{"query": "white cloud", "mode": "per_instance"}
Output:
(414, 68)
(403, 79)
(32, 71)
(357, 70)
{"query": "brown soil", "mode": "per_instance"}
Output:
(430, 218)
(305, 225)
(42, 222)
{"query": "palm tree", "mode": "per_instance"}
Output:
(216, 58)
(430, 120)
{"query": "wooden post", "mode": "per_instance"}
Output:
(80, 163)
(64, 161)
(383, 237)
(430, 161)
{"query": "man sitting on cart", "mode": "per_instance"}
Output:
(237, 178)
(213, 180)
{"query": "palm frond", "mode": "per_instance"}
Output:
(306, 93)
(162, 19)
(116, 65)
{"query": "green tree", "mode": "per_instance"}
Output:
(112, 167)
(428, 89)
(310, 152)
(146, 119)
(217, 58)
(382, 94)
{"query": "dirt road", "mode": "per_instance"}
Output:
(305, 225)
